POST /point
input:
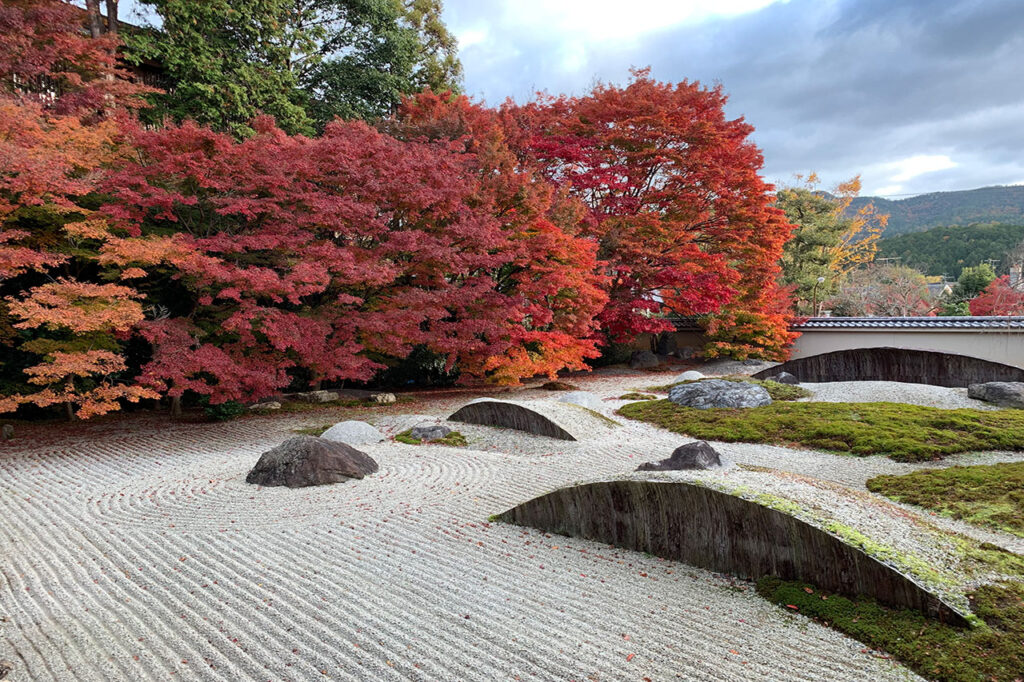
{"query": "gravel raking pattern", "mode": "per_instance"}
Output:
(142, 555)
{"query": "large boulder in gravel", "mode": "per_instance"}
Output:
(719, 393)
(353, 433)
(689, 375)
(695, 455)
(581, 398)
(429, 432)
(306, 460)
(643, 359)
(784, 378)
(1002, 393)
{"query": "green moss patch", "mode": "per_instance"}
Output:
(776, 390)
(987, 495)
(453, 439)
(992, 651)
(637, 396)
(906, 433)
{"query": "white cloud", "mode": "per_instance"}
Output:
(914, 166)
(611, 20)
(472, 36)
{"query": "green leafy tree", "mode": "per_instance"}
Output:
(972, 281)
(229, 61)
(828, 242)
(368, 54)
(305, 62)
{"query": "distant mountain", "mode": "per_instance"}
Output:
(947, 250)
(984, 205)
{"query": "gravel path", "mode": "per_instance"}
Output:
(134, 550)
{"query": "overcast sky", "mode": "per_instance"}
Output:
(913, 95)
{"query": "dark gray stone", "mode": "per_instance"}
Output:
(429, 432)
(719, 393)
(784, 378)
(1002, 393)
(643, 359)
(667, 344)
(686, 353)
(306, 460)
(695, 455)
(6, 432)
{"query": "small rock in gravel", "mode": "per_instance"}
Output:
(303, 461)
(6, 432)
(352, 433)
(719, 393)
(689, 375)
(429, 432)
(265, 407)
(696, 455)
(384, 398)
(784, 378)
(5, 669)
(581, 398)
(1002, 393)
(643, 359)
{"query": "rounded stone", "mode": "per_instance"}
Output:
(353, 433)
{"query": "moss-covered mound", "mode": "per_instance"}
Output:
(906, 433)
(988, 495)
(453, 439)
(776, 390)
(992, 651)
(637, 396)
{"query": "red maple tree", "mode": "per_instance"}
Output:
(675, 198)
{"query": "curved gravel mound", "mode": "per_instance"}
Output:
(137, 552)
(716, 530)
(563, 421)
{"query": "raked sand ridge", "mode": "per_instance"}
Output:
(137, 552)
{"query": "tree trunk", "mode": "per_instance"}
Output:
(175, 407)
(69, 410)
(112, 16)
(95, 19)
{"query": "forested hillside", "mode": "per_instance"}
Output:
(947, 250)
(983, 205)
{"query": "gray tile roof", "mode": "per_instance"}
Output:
(685, 324)
(910, 323)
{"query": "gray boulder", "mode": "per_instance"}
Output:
(667, 344)
(695, 455)
(719, 393)
(317, 396)
(265, 407)
(1002, 393)
(581, 398)
(383, 398)
(784, 378)
(352, 433)
(306, 460)
(643, 359)
(429, 432)
(689, 375)
(6, 432)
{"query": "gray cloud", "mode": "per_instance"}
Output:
(842, 87)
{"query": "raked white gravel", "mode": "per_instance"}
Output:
(134, 550)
